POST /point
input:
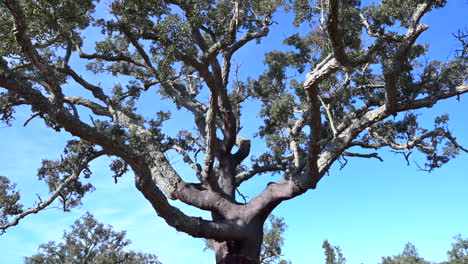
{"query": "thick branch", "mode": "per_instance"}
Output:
(315, 124)
(361, 155)
(334, 33)
(181, 97)
(322, 71)
(325, 69)
(196, 227)
(244, 149)
(211, 141)
(358, 124)
(199, 196)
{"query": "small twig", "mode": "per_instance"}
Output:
(31, 118)
(243, 196)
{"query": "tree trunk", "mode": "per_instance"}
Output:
(248, 250)
(239, 252)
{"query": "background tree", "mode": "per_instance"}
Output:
(457, 255)
(333, 254)
(347, 104)
(409, 255)
(91, 242)
(273, 241)
(459, 252)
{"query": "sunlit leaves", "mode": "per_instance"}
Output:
(55, 172)
(304, 10)
(392, 12)
(7, 45)
(9, 200)
(54, 22)
(8, 101)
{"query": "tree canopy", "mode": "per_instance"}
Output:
(358, 74)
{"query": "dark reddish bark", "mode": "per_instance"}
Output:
(241, 252)
(247, 250)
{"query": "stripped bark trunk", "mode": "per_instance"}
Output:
(246, 251)
(241, 252)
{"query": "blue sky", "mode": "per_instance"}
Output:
(370, 208)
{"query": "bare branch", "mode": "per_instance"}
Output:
(360, 155)
(431, 100)
(329, 116)
(68, 53)
(242, 177)
(418, 13)
(227, 54)
(112, 110)
(31, 118)
(115, 58)
(358, 124)
(381, 141)
(95, 90)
